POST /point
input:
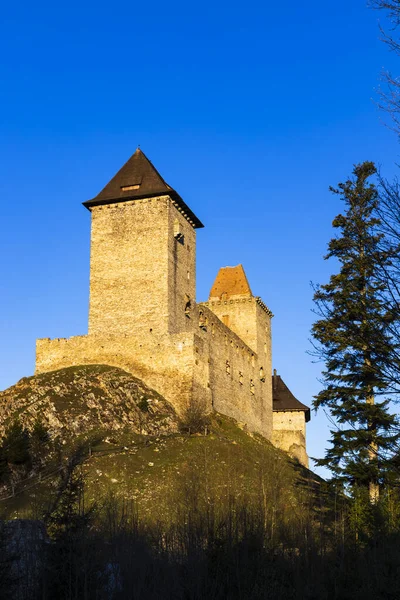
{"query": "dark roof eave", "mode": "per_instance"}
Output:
(197, 224)
(304, 409)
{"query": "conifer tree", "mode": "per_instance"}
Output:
(352, 336)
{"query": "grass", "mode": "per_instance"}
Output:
(157, 472)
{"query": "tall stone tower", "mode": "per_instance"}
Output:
(143, 253)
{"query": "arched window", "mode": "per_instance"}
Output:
(262, 376)
(252, 388)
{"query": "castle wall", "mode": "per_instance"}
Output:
(239, 314)
(212, 366)
(164, 363)
(138, 270)
(249, 320)
(230, 372)
(289, 434)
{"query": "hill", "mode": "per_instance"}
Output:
(130, 446)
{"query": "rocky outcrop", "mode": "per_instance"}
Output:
(78, 400)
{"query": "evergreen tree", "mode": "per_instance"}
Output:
(352, 337)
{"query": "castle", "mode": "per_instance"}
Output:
(144, 318)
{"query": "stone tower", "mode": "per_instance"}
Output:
(143, 253)
(232, 301)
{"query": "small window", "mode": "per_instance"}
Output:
(178, 234)
(127, 188)
(228, 367)
(202, 321)
(240, 378)
(262, 376)
(252, 388)
(188, 306)
(225, 320)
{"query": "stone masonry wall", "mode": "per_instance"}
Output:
(181, 269)
(289, 434)
(229, 371)
(209, 364)
(249, 320)
(164, 363)
(138, 271)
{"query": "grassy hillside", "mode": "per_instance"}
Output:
(131, 448)
(136, 507)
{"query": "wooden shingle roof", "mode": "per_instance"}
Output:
(138, 179)
(283, 399)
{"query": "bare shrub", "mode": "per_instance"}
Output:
(195, 419)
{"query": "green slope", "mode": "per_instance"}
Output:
(132, 449)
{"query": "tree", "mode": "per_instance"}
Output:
(16, 444)
(353, 337)
(390, 97)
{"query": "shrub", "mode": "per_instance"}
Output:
(143, 405)
(16, 444)
(195, 418)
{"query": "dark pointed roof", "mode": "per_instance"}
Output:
(137, 179)
(283, 399)
(231, 281)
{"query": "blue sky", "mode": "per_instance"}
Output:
(249, 110)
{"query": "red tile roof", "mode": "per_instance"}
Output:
(231, 281)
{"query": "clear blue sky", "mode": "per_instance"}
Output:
(250, 110)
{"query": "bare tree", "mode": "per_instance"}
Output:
(389, 97)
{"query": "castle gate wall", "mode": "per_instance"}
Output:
(289, 434)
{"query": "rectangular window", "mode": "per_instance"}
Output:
(127, 188)
(225, 320)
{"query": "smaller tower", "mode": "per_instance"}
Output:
(289, 421)
(232, 301)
